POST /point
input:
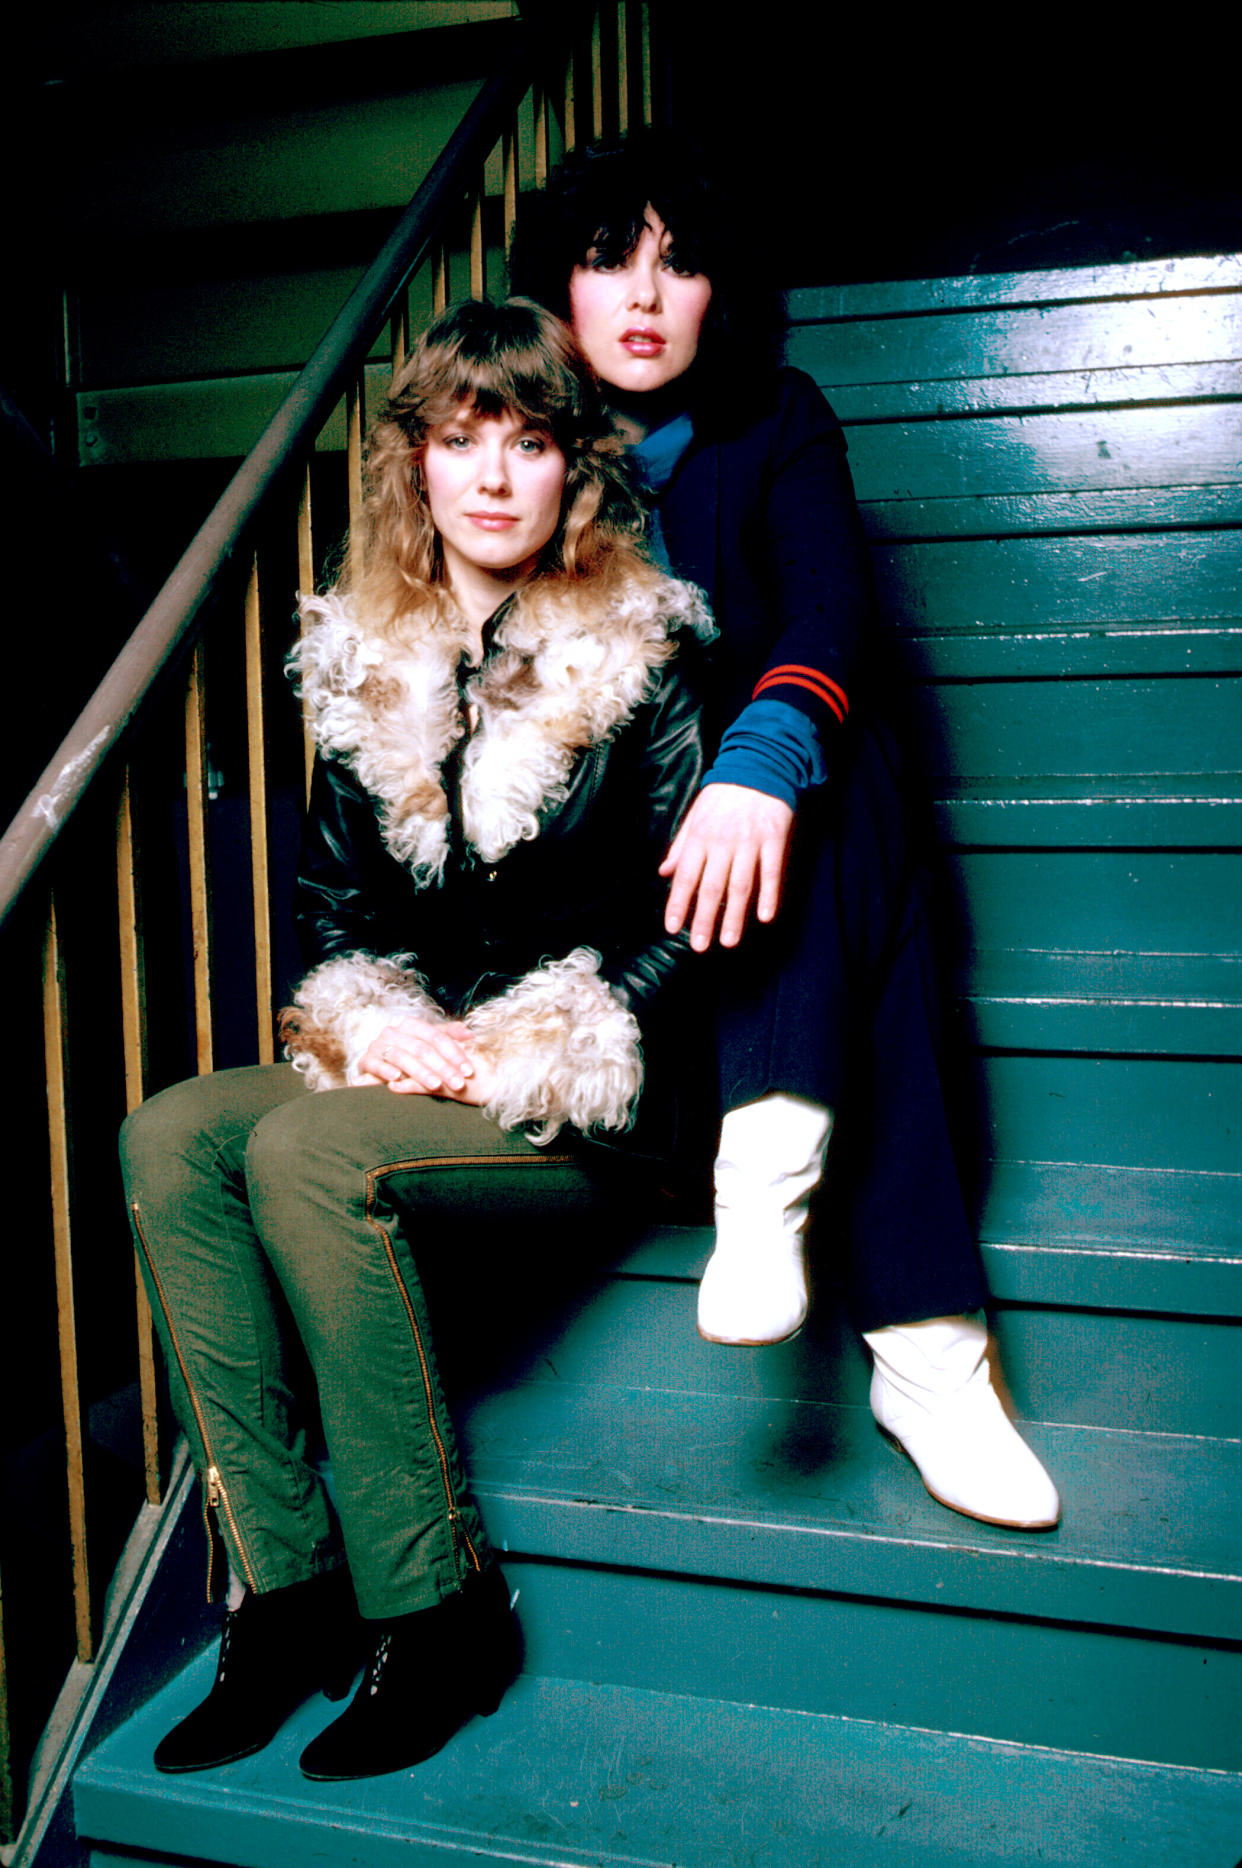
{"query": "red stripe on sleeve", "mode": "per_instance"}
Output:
(793, 674)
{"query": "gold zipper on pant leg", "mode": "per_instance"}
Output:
(215, 1495)
(210, 1535)
(457, 1528)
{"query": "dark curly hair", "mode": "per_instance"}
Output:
(597, 200)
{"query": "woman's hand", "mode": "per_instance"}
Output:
(732, 839)
(421, 1057)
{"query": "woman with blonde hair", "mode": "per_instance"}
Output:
(507, 735)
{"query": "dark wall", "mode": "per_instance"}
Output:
(1020, 142)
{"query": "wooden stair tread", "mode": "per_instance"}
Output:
(584, 1775)
(796, 1494)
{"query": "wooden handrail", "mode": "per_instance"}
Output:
(167, 629)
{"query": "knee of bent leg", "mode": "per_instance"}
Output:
(161, 1127)
(285, 1143)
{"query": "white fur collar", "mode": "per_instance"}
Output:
(564, 671)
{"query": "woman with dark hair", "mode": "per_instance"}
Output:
(826, 1011)
(506, 740)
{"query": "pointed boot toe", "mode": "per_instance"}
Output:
(429, 1673)
(276, 1650)
(932, 1394)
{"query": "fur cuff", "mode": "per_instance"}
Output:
(564, 1049)
(341, 1007)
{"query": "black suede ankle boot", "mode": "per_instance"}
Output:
(430, 1671)
(276, 1649)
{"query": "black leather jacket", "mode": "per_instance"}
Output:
(588, 879)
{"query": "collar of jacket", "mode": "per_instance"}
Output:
(565, 667)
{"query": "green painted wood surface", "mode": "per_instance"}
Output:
(1187, 445)
(1064, 1234)
(1020, 393)
(1051, 512)
(1100, 950)
(1097, 1690)
(1097, 1364)
(168, 330)
(1106, 732)
(1157, 280)
(1086, 591)
(1044, 347)
(786, 1494)
(568, 1773)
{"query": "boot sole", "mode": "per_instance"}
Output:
(1005, 1524)
(211, 1764)
(752, 1342)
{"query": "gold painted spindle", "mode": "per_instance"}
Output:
(56, 1059)
(509, 148)
(644, 23)
(623, 67)
(306, 585)
(354, 416)
(541, 108)
(134, 1052)
(399, 327)
(478, 276)
(570, 118)
(260, 877)
(597, 74)
(200, 865)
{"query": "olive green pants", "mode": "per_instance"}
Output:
(261, 1210)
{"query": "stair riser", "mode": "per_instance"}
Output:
(1038, 1683)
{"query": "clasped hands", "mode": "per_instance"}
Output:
(419, 1057)
(730, 850)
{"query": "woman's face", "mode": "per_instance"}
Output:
(639, 319)
(494, 488)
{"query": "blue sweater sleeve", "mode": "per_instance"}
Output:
(771, 747)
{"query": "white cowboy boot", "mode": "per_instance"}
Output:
(770, 1161)
(931, 1390)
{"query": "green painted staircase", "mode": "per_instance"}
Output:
(752, 1638)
